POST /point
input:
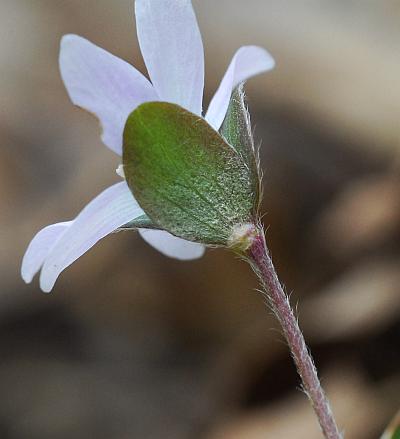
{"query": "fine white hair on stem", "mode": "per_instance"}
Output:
(278, 301)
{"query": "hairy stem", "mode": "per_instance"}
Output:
(261, 262)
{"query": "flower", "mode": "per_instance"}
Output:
(111, 89)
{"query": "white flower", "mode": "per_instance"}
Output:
(111, 89)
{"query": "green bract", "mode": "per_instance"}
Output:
(236, 129)
(142, 222)
(185, 176)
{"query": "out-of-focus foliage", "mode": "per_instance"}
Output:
(393, 431)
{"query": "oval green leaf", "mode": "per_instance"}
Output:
(184, 175)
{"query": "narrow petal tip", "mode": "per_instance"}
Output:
(27, 278)
(65, 39)
(39, 249)
(247, 62)
(265, 60)
(46, 283)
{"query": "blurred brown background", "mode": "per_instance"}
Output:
(133, 345)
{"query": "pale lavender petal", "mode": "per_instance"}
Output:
(111, 209)
(103, 84)
(172, 49)
(172, 246)
(247, 62)
(39, 249)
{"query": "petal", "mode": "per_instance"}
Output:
(172, 246)
(39, 249)
(103, 84)
(172, 49)
(111, 209)
(247, 62)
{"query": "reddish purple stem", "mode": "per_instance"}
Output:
(279, 302)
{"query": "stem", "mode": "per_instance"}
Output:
(262, 264)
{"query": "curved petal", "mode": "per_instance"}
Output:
(111, 209)
(39, 249)
(103, 84)
(247, 62)
(172, 246)
(172, 49)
